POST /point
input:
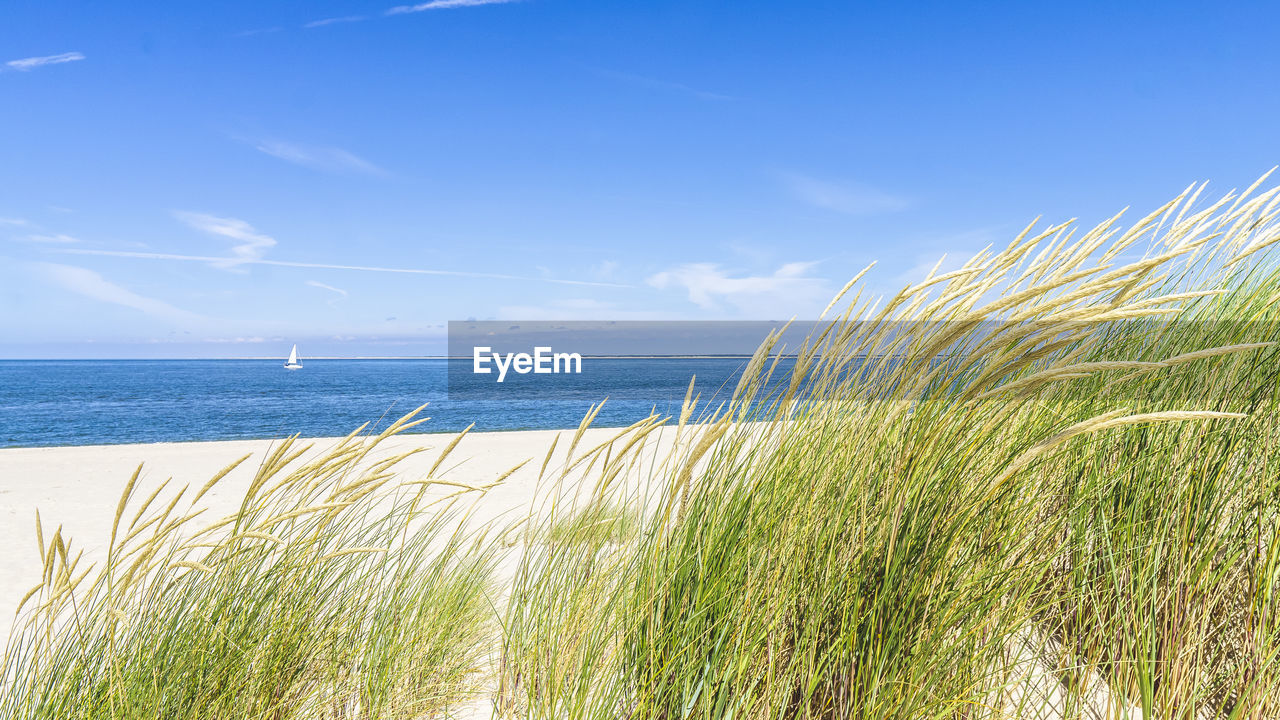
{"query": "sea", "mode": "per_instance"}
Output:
(100, 402)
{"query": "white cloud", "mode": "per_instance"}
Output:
(334, 21)
(90, 284)
(328, 159)
(443, 5)
(36, 233)
(253, 244)
(31, 63)
(225, 262)
(843, 197)
(330, 288)
(788, 290)
(332, 302)
(52, 239)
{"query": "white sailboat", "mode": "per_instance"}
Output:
(293, 363)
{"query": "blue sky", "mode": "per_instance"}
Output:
(224, 179)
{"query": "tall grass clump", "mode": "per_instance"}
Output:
(1041, 485)
(337, 590)
(559, 634)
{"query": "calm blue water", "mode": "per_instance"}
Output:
(90, 402)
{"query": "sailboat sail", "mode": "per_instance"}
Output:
(293, 359)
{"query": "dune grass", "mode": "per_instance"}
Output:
(600, 523)
(336, 590)
(1042, 485)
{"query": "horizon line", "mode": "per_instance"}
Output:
(377, 357)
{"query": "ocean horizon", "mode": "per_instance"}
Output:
(47, 403)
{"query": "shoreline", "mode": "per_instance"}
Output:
(277, 438)
(265, 358)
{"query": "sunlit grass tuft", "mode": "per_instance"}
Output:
(332, 592)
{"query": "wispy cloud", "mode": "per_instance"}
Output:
(443, 5)
(58, 239)
(31, 63)
(332, 302)
(252, 244)
(328, 159)
(335, 21)
(223, 261)
(605, 269)
(844, 197)
(13, 221)
(946, 252)
(330, 288)
(789, 289)
(90, 284)
(656, 84)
